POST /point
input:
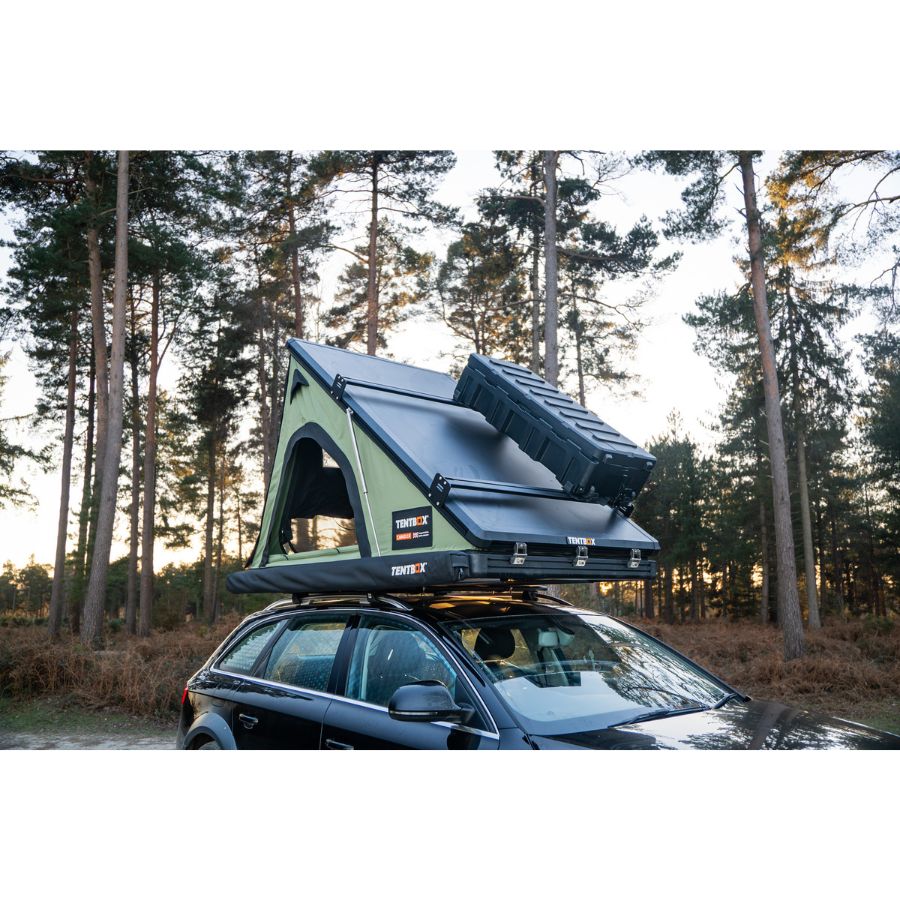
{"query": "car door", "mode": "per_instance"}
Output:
(387, 653)
(281, 705)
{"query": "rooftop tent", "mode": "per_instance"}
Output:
(437, 494)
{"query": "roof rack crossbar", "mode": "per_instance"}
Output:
(441, 487)
(341, 383)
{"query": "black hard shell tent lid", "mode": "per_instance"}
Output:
(497, 480)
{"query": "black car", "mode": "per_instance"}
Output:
(514, 671)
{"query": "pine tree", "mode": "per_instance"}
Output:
(402, 281)
(395, 183)
(96, 593)
(215, 388)
(478, 292)
(48, 291)
(698, 221)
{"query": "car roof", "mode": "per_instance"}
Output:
(433, 608)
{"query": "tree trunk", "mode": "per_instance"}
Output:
(820, 558)
(208, 593)
(695, 605)
(578, 354)
(149, 518)
(648, 598)
(56, 592)
(837, 558)
(725, 595)
(295, 260)
(764, 547)
(535, 304)
(98, 326)
(219, 540)
(132, 595)
(788, 599)
(96, 593)
(372, 290)
(81, 558)
(276, 397)
(809, 563)
(669, 594)
(240, 524)
(264, 409)
(551, 271)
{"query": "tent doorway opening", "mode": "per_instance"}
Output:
(317, 514)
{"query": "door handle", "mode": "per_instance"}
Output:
(248, 721)
(336, 745)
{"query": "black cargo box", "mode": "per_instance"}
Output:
(589, 458)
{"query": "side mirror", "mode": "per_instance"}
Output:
(425, 701)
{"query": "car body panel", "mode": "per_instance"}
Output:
(750, 725)
(350, 724)
(269, 716)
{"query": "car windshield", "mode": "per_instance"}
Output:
(564, 673)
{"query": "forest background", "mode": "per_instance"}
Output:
(150, 293)
(231, 253)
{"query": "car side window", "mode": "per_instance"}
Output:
(303, 656)
(388, 655)
(242, 657)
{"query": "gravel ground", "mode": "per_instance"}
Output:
(61, 740)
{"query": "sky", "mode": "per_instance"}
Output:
(673, 377)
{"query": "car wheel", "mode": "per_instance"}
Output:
(209, 745)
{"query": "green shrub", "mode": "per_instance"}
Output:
(116, 625)
(879, 625)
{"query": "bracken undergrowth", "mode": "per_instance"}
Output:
(144, 676)
(846, 663)
(848, 666)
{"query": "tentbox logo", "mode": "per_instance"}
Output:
(411, 528)
(582, 541)
(412, 569)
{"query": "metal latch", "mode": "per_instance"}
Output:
(580, 556)
(518, 557)
(635, 560)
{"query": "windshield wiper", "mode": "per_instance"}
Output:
(734, 695)
(662, 713)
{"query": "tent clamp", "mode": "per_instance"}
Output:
(341, 384)
(519, 554)
(624, 501)
(635, 560)
(581, 556)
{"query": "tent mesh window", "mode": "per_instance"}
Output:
(317, 514)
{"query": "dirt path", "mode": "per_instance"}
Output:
(52, 724)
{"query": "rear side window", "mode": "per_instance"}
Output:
(242, 657)
(304, 654)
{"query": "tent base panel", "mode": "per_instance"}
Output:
(453, 569)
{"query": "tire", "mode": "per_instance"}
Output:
(209, 745)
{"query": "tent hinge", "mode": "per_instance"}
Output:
(581, 556)
(439, 491)
(635, 560)
(337, 388)
(519, 554)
